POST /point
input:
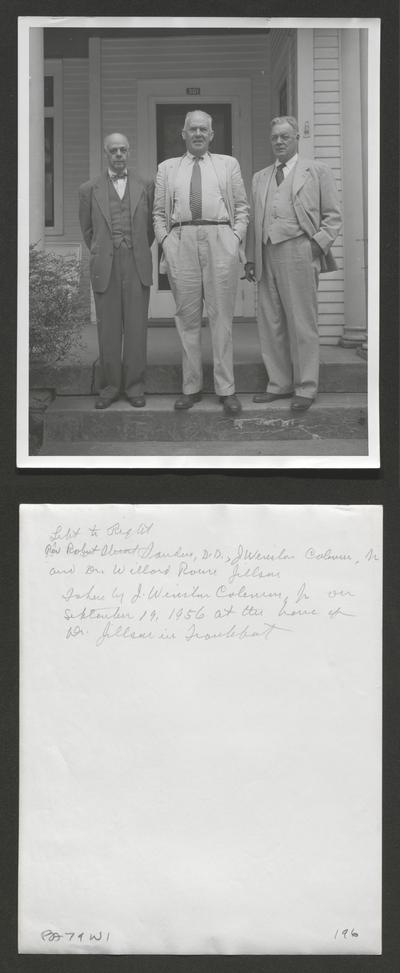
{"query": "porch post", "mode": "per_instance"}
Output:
(364, 135)
(36, 137)
(95, 139)
(354, 169)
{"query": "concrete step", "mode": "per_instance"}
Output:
(342, 369)
(250, 377)
(73, 419)
(262, 447)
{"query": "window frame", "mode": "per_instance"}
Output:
(54, 68)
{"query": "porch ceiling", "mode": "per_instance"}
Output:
(74, 42)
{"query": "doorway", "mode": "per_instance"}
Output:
(169, 124)
(161, 109)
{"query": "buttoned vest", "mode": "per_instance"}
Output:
(120, 212)
(280, 220)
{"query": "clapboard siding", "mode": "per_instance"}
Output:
(328, 148)
(125, 61)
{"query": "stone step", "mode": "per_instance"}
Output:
(342, 369)
(261, 447)
(250, 377)
(73, 419)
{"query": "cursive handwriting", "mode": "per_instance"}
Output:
(121, 583)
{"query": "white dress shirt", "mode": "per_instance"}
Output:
(213, 206)
(288, 165)
(119, 184)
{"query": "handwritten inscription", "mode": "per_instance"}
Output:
(346, 933)
(122, 583)
(85, 938)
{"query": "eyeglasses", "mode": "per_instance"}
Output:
(282, 138)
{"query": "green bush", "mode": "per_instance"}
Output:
(58, 308)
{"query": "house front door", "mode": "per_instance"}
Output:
(162, 106)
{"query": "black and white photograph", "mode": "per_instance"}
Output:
(199, 274)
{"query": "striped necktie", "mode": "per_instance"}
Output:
(279, 173)
(195, 191)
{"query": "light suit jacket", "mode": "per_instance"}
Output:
(316, 204)
(95, 220)
(232, 190)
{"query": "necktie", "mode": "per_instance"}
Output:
(279, 173)
(195, 191)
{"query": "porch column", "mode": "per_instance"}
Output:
(36, 137)
(364, 134)
(95, 138)
(354, 160)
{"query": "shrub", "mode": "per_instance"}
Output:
(58, 308)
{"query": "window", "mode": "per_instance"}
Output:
(53, 148)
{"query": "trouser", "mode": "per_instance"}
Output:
(121, 313)
(203, 262)
(287, 316)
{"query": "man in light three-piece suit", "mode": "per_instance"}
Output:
(115, 213)
(295, 219)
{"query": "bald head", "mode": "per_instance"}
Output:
(116, 150)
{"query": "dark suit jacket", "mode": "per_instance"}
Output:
(95, 220)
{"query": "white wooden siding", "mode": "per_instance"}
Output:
(328, 148)
(125, 61)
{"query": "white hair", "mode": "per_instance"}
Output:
(290, 119)
(197, 111)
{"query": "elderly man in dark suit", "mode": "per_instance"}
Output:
(295, 219)
(115, 213)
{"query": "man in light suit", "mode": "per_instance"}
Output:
(200, 219)
(115, 213)
(295, 218)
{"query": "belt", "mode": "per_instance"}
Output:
(201, 223)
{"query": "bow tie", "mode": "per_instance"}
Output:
(121, 175)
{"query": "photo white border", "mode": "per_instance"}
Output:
(283, 462)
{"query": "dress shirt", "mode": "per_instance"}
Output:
(119, 184)
(288, 165)
(213, 206)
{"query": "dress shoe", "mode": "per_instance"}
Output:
(231, 404)
(138, 401)
(104, 403)
(301, 403)
(187, 401)
(271, 396)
